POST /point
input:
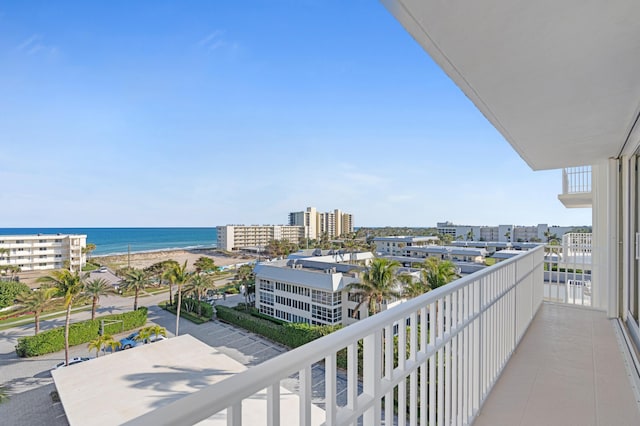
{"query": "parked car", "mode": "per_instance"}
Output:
(103, 269)
(72, 361)
(133, 340)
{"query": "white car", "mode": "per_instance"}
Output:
(76, 360)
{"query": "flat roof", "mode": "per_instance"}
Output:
(119, 387)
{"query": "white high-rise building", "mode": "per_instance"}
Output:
(41, 252)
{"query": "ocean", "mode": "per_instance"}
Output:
(117, 240)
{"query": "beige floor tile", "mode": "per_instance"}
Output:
(567, 370)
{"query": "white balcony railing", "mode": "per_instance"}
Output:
(576, 180)
(568, 270)
(443, 371)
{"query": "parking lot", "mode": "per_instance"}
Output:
(31, 383)
(30, 380)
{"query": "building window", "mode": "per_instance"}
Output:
(326, 298)
(351, 311)
(267, 310)
(266, 285)
(266, 298)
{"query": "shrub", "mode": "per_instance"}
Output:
(9, 290)
(194, 318)
(81, 332)
(291, 335)
(190, 305)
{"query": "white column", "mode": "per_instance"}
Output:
(605, 280)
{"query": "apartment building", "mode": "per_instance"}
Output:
(395, 245)
(333, 224)
(504, 233)
(303, 290)
(311, 287)
(236, 237)
(42, 252)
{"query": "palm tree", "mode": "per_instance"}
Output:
(245, 276)
(411, 288)
(197, 285)
(179, 276)
(437, 273)
(205, 264)
(101, 341)
(136, 280)
(152, 330)
(68, 285)
(95, 288)
(36, 302)
(167, 268)
(378, 283)
(88, 249)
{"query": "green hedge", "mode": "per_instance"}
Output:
(191, 305)
(291, 335)
(9, 290)
(80, 332)
(194, 318)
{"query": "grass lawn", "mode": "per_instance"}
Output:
(29, 318)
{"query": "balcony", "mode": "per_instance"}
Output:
(576, 187)
(467, 332)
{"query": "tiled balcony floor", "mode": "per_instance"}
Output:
(567, 370)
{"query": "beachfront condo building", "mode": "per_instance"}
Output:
(237, 237)
(505, 233)
(560, 81)
(332, 224)
(41, 252)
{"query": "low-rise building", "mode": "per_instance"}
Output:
(503, 233)
(395, 245)
(42, 251)
(313, 289)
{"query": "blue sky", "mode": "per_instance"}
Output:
(201, 113)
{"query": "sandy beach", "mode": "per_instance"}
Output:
(145, 259)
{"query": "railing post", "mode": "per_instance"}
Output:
(372, 359)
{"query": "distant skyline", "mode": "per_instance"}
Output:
(168, 113)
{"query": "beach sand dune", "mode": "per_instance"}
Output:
(145, 259)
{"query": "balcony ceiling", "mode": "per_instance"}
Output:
(559, 79)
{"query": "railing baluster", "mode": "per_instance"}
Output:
(273, 405)
(372, 348)
(388, 372)
(432, 365)
(440, 360)
(402, 386)
(234, 414)
(413, 380)
(352, 376)
(454, 358)
(304, 393)
(330, 402)
(423, 368)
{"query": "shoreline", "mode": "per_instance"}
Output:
(165, 249)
